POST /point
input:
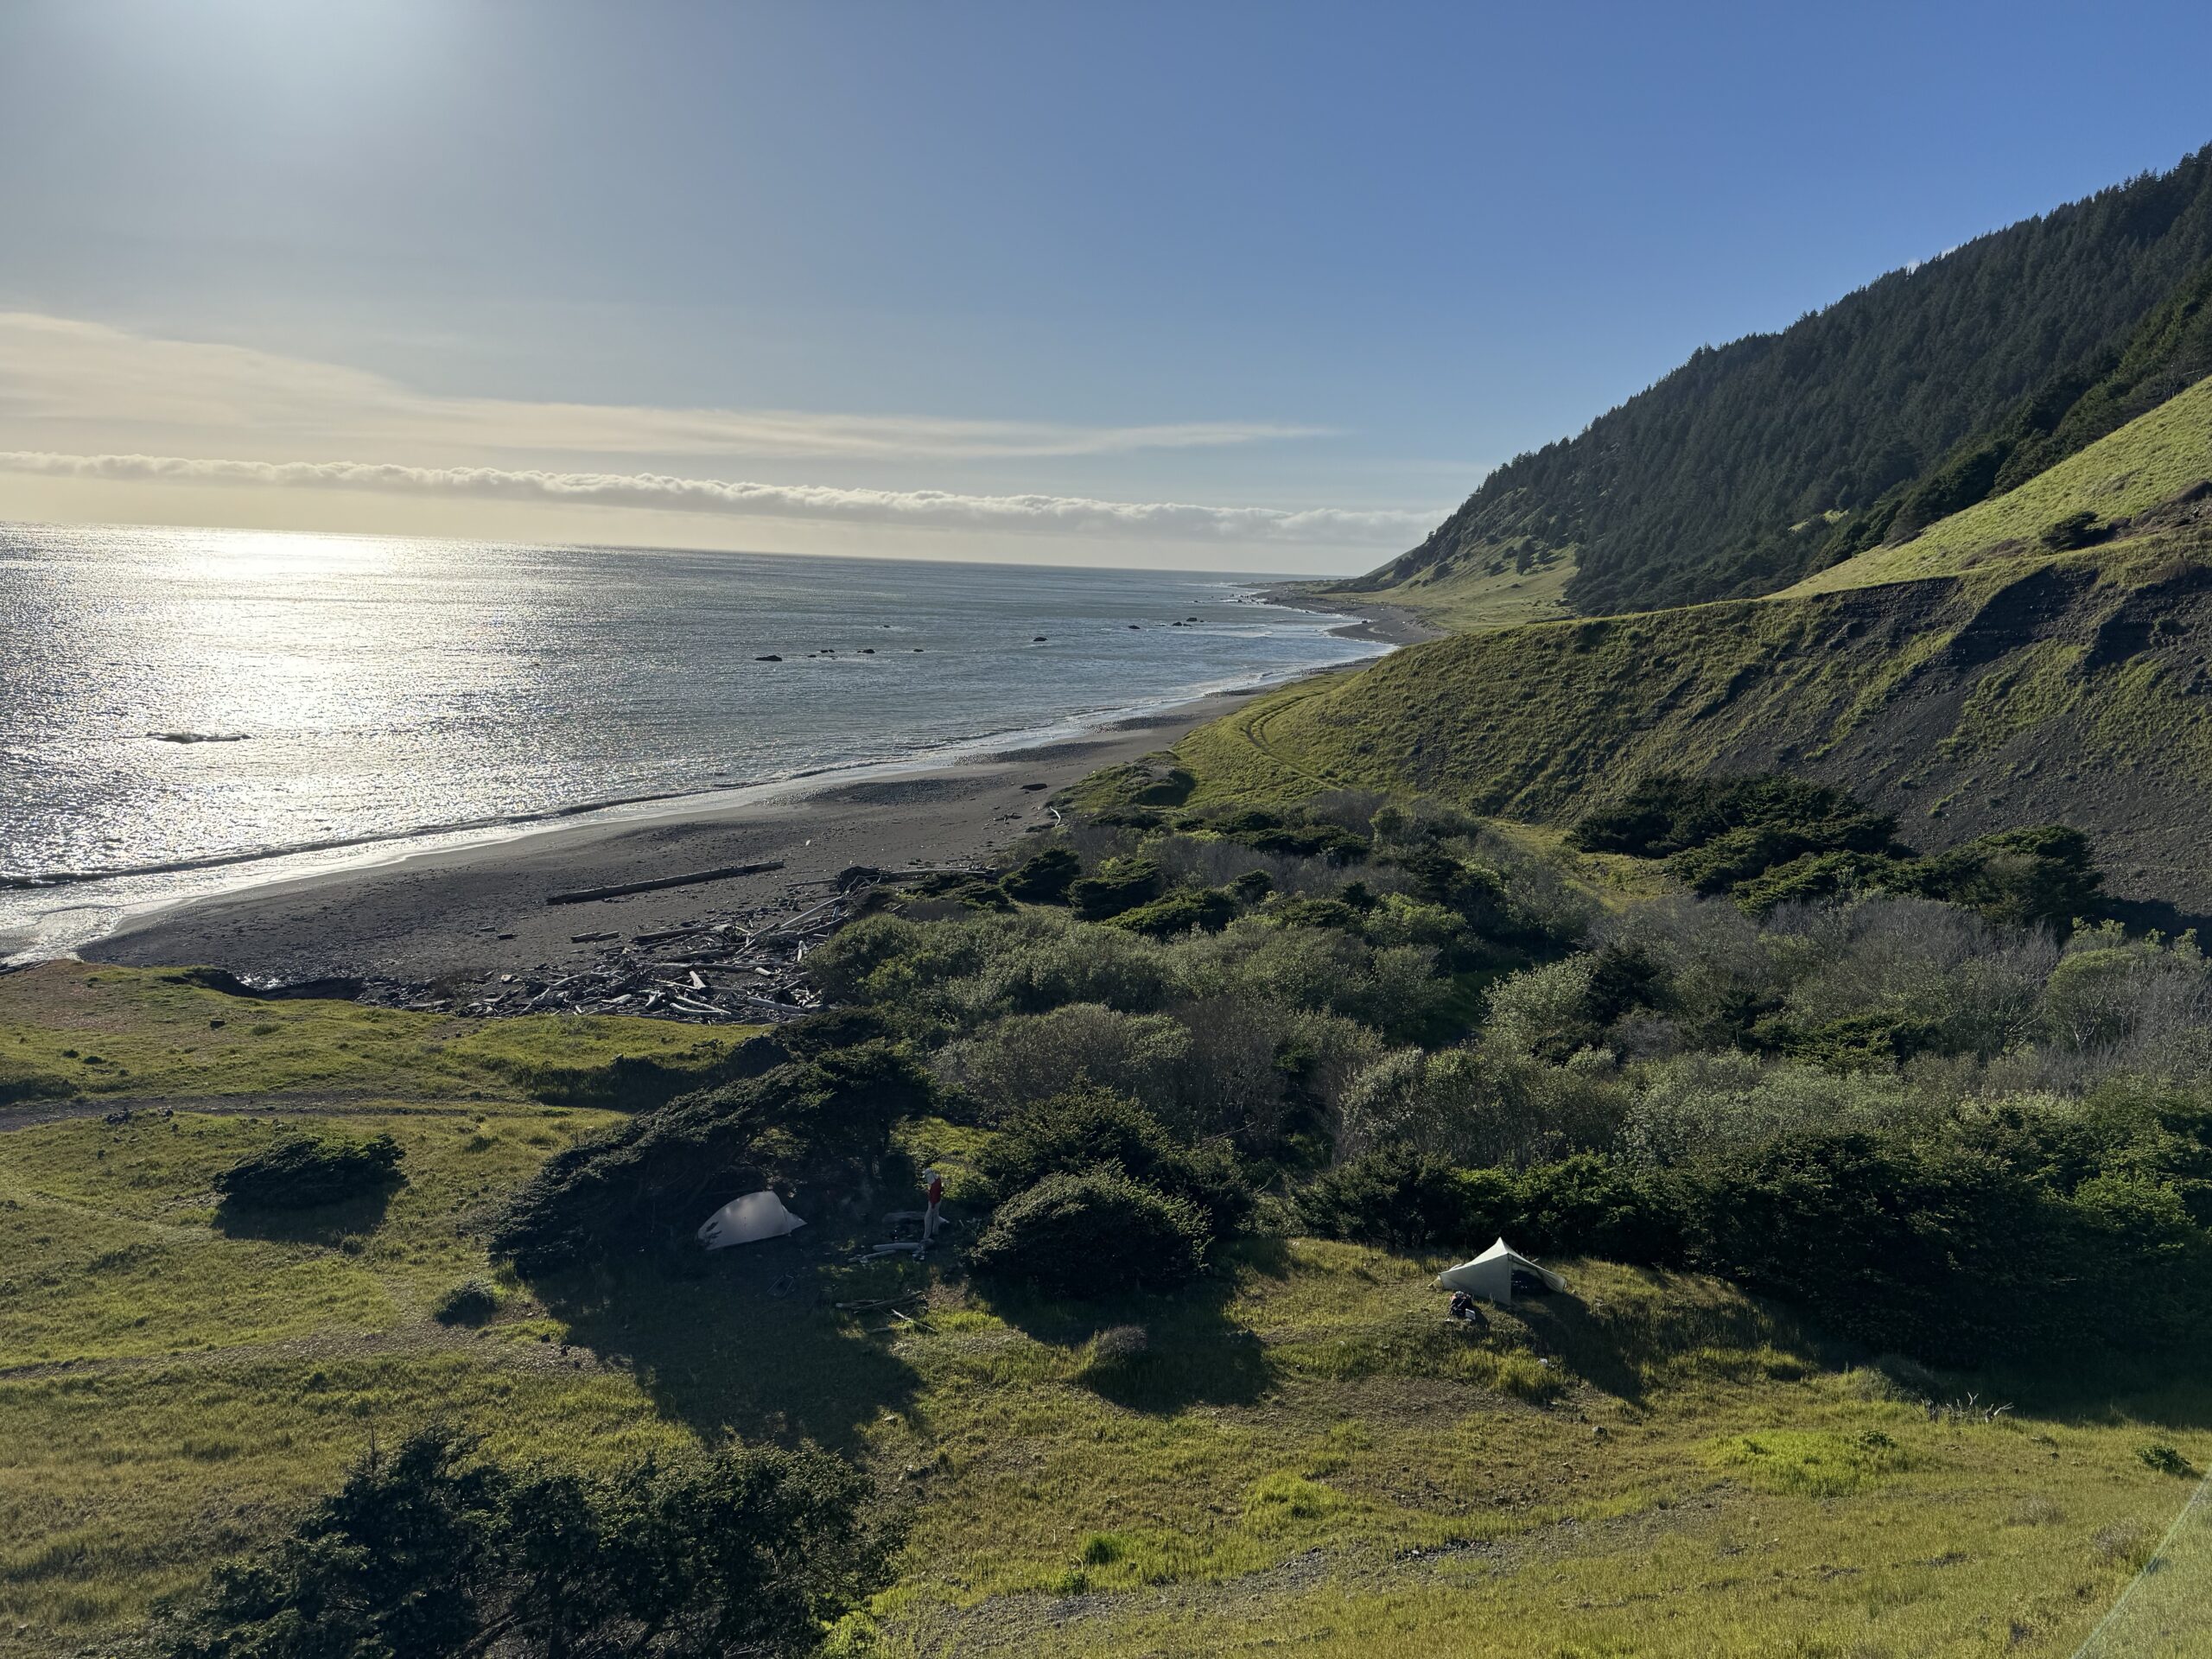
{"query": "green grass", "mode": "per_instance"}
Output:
(1482, 590)
(1304, 1450)
(2144, 464)
(173, 1382)
(1299, 1451)
(2065, 688)
(68, 1028)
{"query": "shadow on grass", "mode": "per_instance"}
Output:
(2098, 1389)
(1622, 1345)
(747, 1341)
(1156, 1354)
(328, 1224)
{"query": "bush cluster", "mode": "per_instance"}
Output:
(1958, 1247)
(299, 1172)
(1880, 1085)
(1773, 841)
(470, 1302)
(431, 1551)
(1097, 1196)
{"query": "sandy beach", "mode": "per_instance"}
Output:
(476, 911)
(480, 911)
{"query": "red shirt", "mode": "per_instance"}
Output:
(937, 1189)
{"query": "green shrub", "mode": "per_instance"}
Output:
(1120, 884)
(1926, 1248)
(1860, 1042)
(1089, 1129)
(470, 1302)
(1043, 880)
(1096, 1234)
(684, 1556)
(298, 1171)
(2164, 1457)
(1313, 912)
(1026, 1058)
(1252, 887)
(1743, 854)
(1206, 910)
(1287, 834)
(1666, 813)
(2076, 529)
(1815, 877)
(1392, 1197)
(1586, 1205)
(2044, 875)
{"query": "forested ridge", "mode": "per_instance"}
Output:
(1759, 462)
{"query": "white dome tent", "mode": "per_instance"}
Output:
(747, 1221)
(1491, 1274)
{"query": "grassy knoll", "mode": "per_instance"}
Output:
(2128, 473)
(1297, 1449)
(1482, 589)
(68, 1028)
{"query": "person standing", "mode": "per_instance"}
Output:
(930, 1214)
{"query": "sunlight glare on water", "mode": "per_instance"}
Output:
(186, 697)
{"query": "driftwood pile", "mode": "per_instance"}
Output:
(715, 973)
(738, 969)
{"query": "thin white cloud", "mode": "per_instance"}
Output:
(61, 369)
(1158, 520)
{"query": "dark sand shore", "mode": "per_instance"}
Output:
(481, 910)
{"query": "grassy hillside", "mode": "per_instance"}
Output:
(1296, 1449)
(2068, 688)
(2151, 476)
(1757, 463)
(1974, 677)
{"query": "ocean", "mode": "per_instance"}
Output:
(187, 711)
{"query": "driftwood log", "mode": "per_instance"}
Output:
(585, 895)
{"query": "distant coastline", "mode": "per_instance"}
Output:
(1393, 625)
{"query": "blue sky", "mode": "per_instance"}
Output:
(883, 262)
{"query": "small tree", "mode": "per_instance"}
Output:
(1089, 1129)
(1120, 884)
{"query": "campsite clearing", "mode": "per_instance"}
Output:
(1299, 1449)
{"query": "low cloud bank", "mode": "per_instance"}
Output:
(55, 370)
(1157, 520)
